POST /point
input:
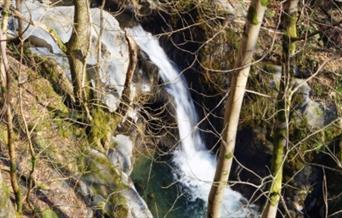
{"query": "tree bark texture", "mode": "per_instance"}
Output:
(281, 135)
(77, 49)
(7, 93)
(233, 106)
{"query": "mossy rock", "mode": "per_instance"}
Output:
(6, 207)
(104, 183)
(257, 108)
(98, 166)
(102, 127)
(48, 213)
(121, 211)
(45, 92)
(4, 194)
(3, 133)
(218, 55)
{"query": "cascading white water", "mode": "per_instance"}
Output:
(196, 165)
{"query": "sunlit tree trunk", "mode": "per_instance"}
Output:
(6, 86)
(133, 59)
(77, 49)
(233, 106)
(281, 135)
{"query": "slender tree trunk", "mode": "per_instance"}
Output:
(98, 88)
(20, 22)
(6, 86)
(3, 42)
(77, 49)
(133, 59)
(281, 135)
(233, 106)
(28, 135)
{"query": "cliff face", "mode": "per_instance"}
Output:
(72, 176)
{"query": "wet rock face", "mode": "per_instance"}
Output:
(121, 156)
(53, 28)
(315, 112)
(108, 188)
(138, 8)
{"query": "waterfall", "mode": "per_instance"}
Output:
(195, 165)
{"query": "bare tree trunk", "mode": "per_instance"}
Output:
(3, 42)
(77, 49)
(133, 59)
(281, 135)
(233, 106)
(7, 85)
(20, 22)
(27, 132)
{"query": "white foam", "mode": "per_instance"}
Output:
(196, 165)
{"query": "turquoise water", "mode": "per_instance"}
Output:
(164, 196)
